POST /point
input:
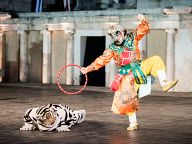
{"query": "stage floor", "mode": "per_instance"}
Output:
(164, 118)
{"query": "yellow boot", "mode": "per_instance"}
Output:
(132, 127)
(169, 85)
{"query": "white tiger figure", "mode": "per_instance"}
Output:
(50, 117)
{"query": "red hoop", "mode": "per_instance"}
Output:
(59, 74)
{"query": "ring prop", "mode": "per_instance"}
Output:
(61, 88)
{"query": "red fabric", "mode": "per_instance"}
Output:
(115, 83)
(125, 57)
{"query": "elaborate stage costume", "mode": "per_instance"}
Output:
(131, 70)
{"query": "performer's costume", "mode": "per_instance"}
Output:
(131, 73)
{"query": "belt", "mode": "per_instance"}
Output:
(138, 74)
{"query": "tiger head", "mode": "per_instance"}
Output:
(46, 116)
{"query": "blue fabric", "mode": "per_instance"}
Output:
(141, 78)
(38, 6)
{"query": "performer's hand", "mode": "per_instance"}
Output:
(83, 70)
(140, 17)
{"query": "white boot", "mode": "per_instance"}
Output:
(133, 122)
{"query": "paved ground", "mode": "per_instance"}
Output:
(163, 117)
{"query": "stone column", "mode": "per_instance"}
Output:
(46, 70)
(113, 69)
(109, 68)
(170, 57)
(69, 60)
(1, 56)
(23, 67)
(77, 58)
(143, 47)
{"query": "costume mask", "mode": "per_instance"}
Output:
(117, 33)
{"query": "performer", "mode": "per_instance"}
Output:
(132, 71)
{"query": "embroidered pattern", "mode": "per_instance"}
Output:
(128, 44)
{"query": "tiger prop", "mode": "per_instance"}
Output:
(50, 117)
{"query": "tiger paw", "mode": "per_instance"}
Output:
(27, 127)
(63, 128)
(80, 115)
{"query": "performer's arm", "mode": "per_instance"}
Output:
(143, 27)
(99, 62)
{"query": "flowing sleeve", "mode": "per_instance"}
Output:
(142, 29)
(101, 60)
